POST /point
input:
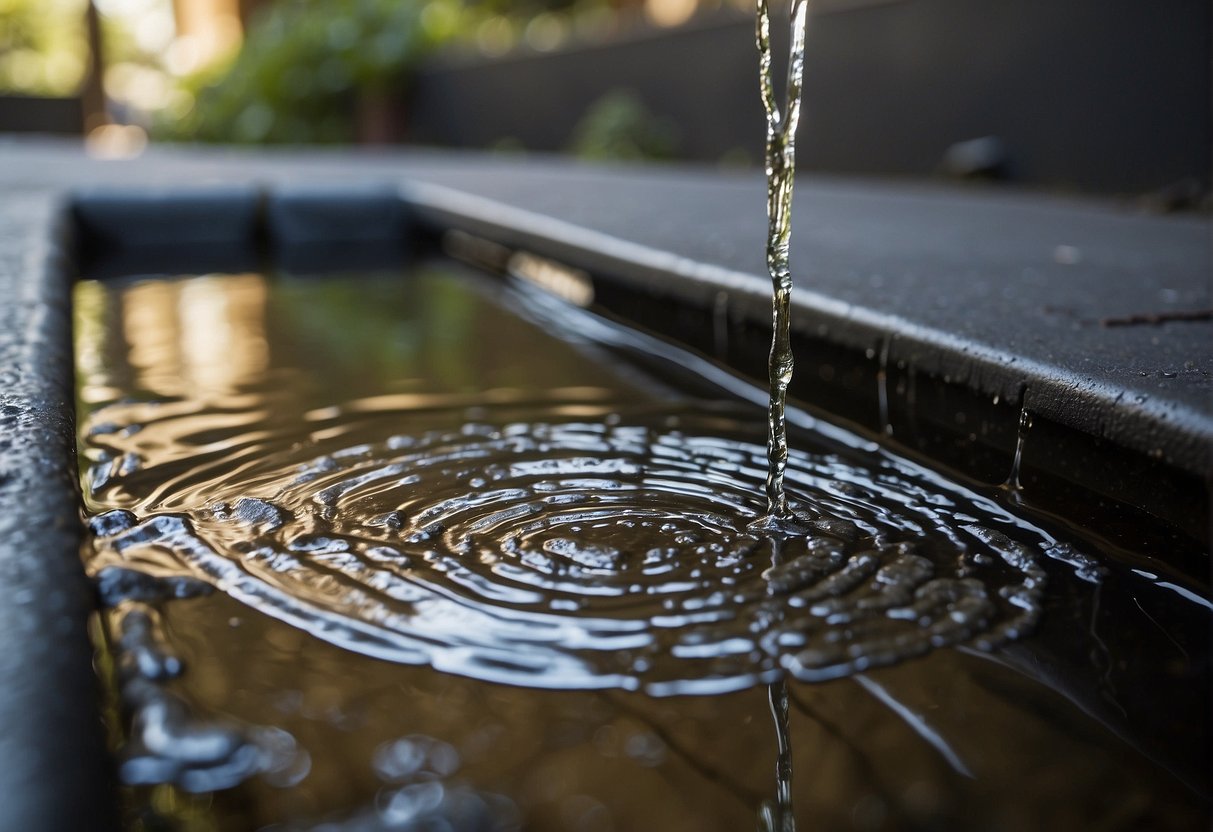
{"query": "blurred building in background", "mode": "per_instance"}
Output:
(1089, 95)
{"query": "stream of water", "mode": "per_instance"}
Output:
(781, 174)
(780, 167)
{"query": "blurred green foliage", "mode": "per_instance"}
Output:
(42, 46)
(619, 126)
(326, 71)
(306, 65)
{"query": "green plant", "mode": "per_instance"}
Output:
(42, 46)
(619, 126)
(306, 64)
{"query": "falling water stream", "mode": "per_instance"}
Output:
(780, 169)
(781, 174)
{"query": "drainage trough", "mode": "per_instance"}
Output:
(930, 318)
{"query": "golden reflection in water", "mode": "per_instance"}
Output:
(205, 336)
(225, 318)
(92, 331)
(150, 328)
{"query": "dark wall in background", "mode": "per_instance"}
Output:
(1100, 95)
(51, 116)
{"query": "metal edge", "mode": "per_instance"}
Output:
(1177, 435)
(1093, 442)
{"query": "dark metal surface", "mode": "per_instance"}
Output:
(1007, 295)
(41, 116)
(969, 295)
(123, 231)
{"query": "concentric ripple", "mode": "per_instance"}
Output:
(613, 548)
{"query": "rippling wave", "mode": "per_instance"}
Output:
(559, 546)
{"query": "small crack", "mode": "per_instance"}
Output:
(1158, 318)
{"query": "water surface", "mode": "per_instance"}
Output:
(439, 471)
(555, 522)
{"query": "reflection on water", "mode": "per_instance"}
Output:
(533, 532)
(777, 815)
(611, 760)
(423, 471)
(206, 336)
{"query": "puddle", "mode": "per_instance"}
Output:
(290, 478)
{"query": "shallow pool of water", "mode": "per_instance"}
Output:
(393, 550)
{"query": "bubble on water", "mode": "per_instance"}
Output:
(115, 585)
(415, 756)
(109, 523)
(260, 514)
(168, 742)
